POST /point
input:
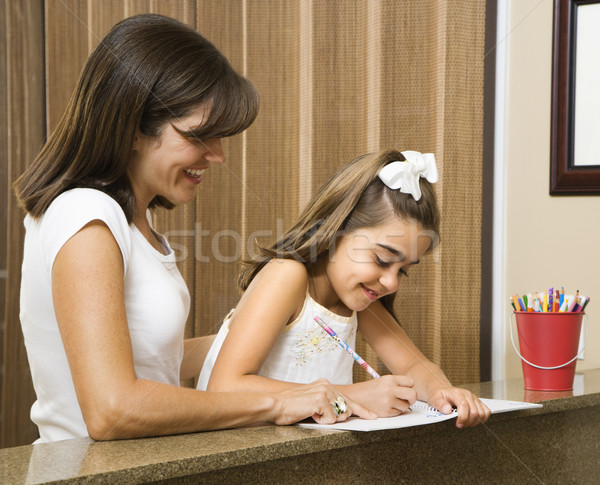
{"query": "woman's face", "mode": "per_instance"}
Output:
(170, 164)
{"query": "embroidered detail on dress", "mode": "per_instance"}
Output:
(314, 342)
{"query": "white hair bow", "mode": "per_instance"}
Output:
(405, 175)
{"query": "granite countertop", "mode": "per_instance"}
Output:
(151, 459)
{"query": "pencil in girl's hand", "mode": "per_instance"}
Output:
(347, 348)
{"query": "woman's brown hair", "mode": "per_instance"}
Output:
(352, 198)
(149, 70)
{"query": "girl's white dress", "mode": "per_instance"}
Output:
(304, 352)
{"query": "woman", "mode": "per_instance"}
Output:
(103, 306)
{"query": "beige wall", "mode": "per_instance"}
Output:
(550, 241)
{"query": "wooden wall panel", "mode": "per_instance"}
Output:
(338, 102)
(272, 168)
(5, 191)
(219, 227)
(67, 48)
(462, 190)
(182, 10)
(25, 119)
(101, 18)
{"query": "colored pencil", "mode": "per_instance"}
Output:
(587, 300)
(550, 301)
(347, 348)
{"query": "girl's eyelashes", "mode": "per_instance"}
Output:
(381, 262)
(386, 264)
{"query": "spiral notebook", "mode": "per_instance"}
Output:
(418, 414)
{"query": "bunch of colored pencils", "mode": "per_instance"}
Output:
(550, 301)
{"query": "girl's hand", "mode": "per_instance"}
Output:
(315, 400)
(471, 411)
(387, 396)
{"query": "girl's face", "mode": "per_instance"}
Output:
(170, 164)
(370, 262)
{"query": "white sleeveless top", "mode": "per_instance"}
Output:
(304, 352)
(156, 301)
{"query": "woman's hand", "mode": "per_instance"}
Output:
(389, 395)
(471, 411)
(315, 400)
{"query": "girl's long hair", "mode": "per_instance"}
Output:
(148, 71)
(352, 198)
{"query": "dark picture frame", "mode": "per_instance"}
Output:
(567, 178)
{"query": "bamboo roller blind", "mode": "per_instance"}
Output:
(337, 79)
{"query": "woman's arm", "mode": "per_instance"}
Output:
(88, 295)
(194, 353)
(402, 357)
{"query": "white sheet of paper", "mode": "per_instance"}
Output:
(417, 415)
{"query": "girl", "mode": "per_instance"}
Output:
(366, 227)
(103, 305)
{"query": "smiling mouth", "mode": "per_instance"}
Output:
(194, 173)
(371, 294)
